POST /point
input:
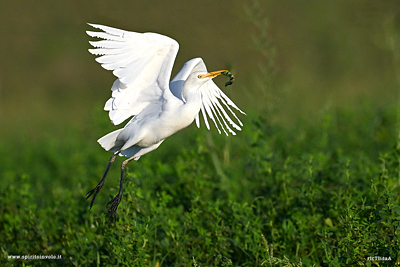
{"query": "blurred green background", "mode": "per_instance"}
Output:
(327, 53)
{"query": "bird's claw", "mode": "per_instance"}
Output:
(94, 192)
(114, 206)
(90, 193)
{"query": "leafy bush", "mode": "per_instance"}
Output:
(269, 196)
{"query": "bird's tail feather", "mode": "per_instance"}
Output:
(109, 142)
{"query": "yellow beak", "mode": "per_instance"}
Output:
(214, 74)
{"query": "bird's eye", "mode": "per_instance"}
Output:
(199, 76)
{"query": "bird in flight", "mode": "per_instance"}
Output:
(142, 63)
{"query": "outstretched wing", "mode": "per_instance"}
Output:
(214, 101)
(142, 62)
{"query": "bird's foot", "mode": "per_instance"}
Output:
(94, 192)
(114, 206)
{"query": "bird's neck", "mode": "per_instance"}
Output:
(190, 96)
(192, 102)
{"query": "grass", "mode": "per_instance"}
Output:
(282, 197)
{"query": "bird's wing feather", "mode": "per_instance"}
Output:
(142, 62)
(212, 97)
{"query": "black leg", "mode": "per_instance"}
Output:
(115, 201)
(96, 190)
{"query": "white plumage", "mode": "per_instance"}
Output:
(142, 63)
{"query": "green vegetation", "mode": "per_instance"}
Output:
(323, 193)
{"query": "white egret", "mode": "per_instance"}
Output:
(142, 63)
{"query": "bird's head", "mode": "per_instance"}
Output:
(196, 80)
